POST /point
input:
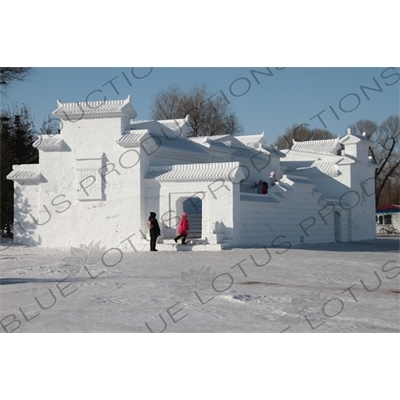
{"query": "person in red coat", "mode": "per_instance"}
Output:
(264, 188)
(183, 228)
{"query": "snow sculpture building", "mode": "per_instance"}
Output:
(101, 176)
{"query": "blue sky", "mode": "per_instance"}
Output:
(269, 103)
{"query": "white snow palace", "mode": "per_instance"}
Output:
(98, 180)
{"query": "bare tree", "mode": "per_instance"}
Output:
(390, 193)
(364, 125)
(301, 133)
(209, 113)
(9, 75)
(386, 153)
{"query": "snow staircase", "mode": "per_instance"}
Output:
(195, 226)
(194, 244)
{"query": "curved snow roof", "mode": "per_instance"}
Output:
(196, 172)
(84, 109)
(311, 168)
(327, 146)
(48, 142)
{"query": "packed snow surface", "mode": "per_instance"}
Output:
(336, 287)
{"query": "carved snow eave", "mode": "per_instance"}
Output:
(262, 149)
(203, 140)
(253, 141)
(211, 145)
(229, 141)
(25, 177)
(271, 151)
(178, 149)
(133, 138)
(94, 109)
(326, 146)
(229, 171)
(317, 168)
(178, 125)
(251, 156)
(348, 160)
(48, 142)
(157, 129)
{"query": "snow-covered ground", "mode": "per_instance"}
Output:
(337, 287)
(348, 287)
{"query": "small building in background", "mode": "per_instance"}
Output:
(388, 219)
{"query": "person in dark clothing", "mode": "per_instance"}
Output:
(154, 228)
(258, 186)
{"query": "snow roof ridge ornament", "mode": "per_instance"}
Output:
(128, 99)
(352, 138)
